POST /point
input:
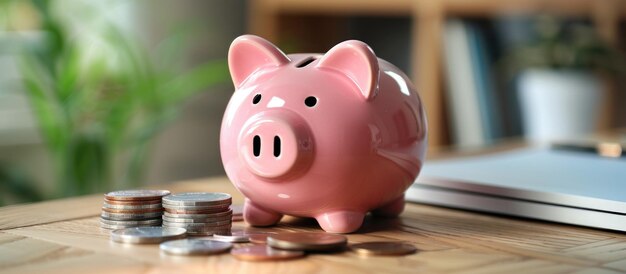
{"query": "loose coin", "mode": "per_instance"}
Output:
(194, 247)
(198, 199)
(307, 241)
(264, 253)
(236, 236)
(128, 216)
(136, 194)
(383, 248)
(147, 235)
(260, 238)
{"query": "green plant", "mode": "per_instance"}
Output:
(558, 45)
(97, 120)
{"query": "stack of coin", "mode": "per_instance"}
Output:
(200, 213)
(132, 208)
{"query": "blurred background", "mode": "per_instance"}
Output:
(102, 95)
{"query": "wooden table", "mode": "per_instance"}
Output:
(63, 236)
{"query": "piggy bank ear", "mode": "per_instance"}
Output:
(249, 53)
(358, 62)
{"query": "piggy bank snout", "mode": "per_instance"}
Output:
(276, 144)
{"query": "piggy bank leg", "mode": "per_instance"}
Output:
(392, 209)
(341, 221)
(258, 216)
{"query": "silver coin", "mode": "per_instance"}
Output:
(147, 235)
(236, 236)
(131, 222)
(129, 216)
(198, 216)
(212, 224)
(194, 246)
(208, 232)
(132, 207)
(206, 229)
(198, 199)
(136, 194)
(196, 220)
(216, 208)
(108, 226)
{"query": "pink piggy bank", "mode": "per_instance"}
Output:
(330, 136)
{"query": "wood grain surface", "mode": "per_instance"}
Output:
(63, 236)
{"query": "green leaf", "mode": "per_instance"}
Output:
(50, 117)
(196, 80)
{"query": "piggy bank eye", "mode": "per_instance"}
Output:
(310, 101)
(256, 99)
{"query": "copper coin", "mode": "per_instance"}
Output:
(258, 238)
(307, 241)
(237, 218)
(132, 211)
(136, 194)
(383, 248)
(264, 253)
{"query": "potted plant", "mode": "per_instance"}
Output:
(559, 80)
(98, 111)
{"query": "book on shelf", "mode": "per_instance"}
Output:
(473, 103)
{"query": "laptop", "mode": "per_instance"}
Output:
(570, 187)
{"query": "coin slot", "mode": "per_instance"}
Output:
(305, 62)
(276, 146)
(256, 145)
